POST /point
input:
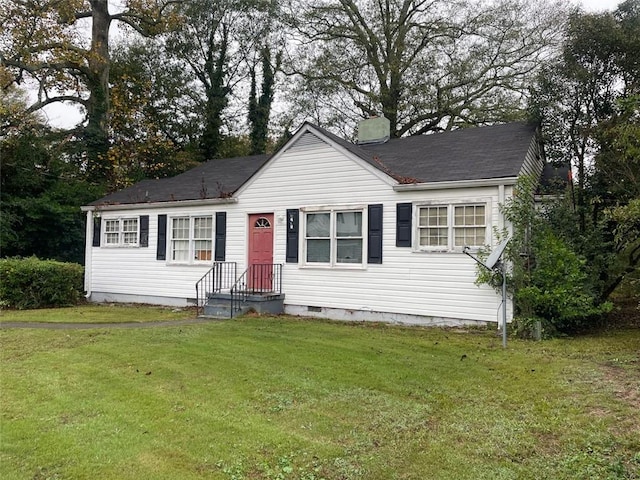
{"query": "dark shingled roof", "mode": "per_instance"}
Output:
(469, 154)
(212, 179)
(496, 151)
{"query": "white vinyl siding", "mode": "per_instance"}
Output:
(533, 163)
(438, 285)
(121, 232)
(139, 275)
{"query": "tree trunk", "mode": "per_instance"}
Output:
(217, 97)
(97, 135)
(260, 109)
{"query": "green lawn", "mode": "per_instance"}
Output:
(284, 398)
(97, 313)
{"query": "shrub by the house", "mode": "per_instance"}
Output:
(34, 283)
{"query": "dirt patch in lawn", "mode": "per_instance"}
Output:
(625, 314)
(626, 383)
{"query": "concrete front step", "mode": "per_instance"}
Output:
(219, 305)
(222, 310)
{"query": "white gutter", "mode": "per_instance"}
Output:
(150, 205)
(483, 182)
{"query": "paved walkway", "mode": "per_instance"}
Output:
(79, 326)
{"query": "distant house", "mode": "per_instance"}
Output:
(367, 231)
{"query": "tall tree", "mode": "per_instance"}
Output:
(588, 105)
(260, 106)
(424, 64)
(154, 128)
(214, 43)
(39, 190)
(43, 45)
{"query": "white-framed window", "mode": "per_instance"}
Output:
(447, 227)
(121, 232)
(334, 237)
(191, 239)
(469, 225)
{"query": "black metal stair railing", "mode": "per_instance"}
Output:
(258, 279)
(221, 276)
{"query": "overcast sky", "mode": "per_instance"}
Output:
(599, 5)
(66, 116)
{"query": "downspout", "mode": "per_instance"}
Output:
(501, 200)
(88, 254)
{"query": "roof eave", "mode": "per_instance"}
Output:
(481, 182)
(151, 205)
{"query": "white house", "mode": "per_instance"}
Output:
(367, 231)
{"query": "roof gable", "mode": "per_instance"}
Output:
(311, 136)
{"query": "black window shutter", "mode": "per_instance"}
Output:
(221, 236)
(97, 224)
(403, 224)
(374, 247)
(292, 235)
(162, 238)
(144, 230)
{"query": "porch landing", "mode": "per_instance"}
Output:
(219, 305)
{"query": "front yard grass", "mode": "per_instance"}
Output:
(98, 313)
(285, 398)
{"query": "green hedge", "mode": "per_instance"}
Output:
(33, 283)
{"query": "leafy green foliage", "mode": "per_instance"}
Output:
(549, 281)
(213, 43)
(588, 104)
(260, 108)
(617, 165)
(34, 283)
(45, 43)
(152, 131)
(555, 288)
(41, 194)
(627, 244)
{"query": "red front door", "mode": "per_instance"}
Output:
(260, 251)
